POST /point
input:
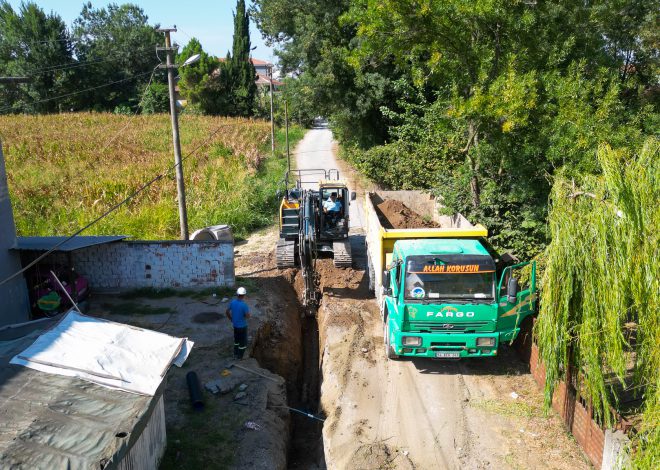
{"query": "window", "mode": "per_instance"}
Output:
(450, 277)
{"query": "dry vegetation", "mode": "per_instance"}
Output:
(64, 170)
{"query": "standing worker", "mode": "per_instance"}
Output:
(238, 312)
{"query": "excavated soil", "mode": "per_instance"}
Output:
(395, 215)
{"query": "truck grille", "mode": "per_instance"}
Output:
(431, 327)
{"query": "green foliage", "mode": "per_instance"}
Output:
(194, 77)
(232, 90)
(113, 44)
(156, 99)
(314, 47)
(36, 45)
(600, 304)
(117, 43)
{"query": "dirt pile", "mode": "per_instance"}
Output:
(395, 214)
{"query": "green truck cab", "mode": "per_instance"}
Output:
(444, 292)
(445, 299)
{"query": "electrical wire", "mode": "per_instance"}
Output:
(116, 206)
(78, 92)
(72, 65)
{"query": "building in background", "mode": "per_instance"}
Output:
(14, 303)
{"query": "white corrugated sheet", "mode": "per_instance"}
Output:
(107, 353)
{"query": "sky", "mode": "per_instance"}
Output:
(210, 21)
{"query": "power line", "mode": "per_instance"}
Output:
(79, 64)
(78, 92)
(115, 207)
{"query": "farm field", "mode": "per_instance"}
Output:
(64, 170)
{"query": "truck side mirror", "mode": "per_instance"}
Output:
(512, 289)
(278, 194)
(353, 196)
(387, 279)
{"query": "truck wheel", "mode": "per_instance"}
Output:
(389, 351)
(371, 275)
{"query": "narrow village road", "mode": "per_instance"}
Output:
(416, 414)
(317, 151)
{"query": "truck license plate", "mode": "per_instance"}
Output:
(447, 354)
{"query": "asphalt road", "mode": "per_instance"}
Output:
(317, 152)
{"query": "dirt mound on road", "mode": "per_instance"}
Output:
(395, 214)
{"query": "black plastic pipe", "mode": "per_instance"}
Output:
(195, 390)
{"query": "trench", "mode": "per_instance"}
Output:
(289, 347)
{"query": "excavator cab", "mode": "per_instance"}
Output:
(334, 200)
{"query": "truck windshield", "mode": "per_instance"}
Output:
(450, 277)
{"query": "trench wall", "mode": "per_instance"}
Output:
(156, 264)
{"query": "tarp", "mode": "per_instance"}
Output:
(111, 354)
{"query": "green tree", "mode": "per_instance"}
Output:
(232, 89)
(36, 45)
(156, 99)
(194, 77)
(313, 46)
(119, 45)
(243, 72)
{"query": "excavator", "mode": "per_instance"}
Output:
(306, 231)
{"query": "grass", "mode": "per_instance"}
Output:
(210, 445)
(514, 408)
(65, 170)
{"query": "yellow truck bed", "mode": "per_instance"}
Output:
(380, 240)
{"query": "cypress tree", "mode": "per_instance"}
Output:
(242, 73)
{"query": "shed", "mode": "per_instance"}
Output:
(38, 277)
(57, 422)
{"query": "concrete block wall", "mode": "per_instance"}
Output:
(156, 264)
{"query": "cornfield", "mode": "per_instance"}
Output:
(600, 313)
(64, 170)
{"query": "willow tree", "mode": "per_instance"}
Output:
(600, 306)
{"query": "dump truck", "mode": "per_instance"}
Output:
(443, 291)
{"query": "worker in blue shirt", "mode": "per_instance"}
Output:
(238, 312)
(332, 208)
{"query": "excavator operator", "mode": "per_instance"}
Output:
(332, 208)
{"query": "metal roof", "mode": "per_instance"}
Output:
(76, 243)
(52, 421)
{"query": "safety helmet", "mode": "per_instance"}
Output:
(241, 291)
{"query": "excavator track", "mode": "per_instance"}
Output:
(343, 257)
(285, 254)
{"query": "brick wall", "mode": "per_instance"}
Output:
(156, 264)
(576, 416)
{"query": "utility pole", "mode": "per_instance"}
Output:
(272, 123)
(286, 122)
(180, 186)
